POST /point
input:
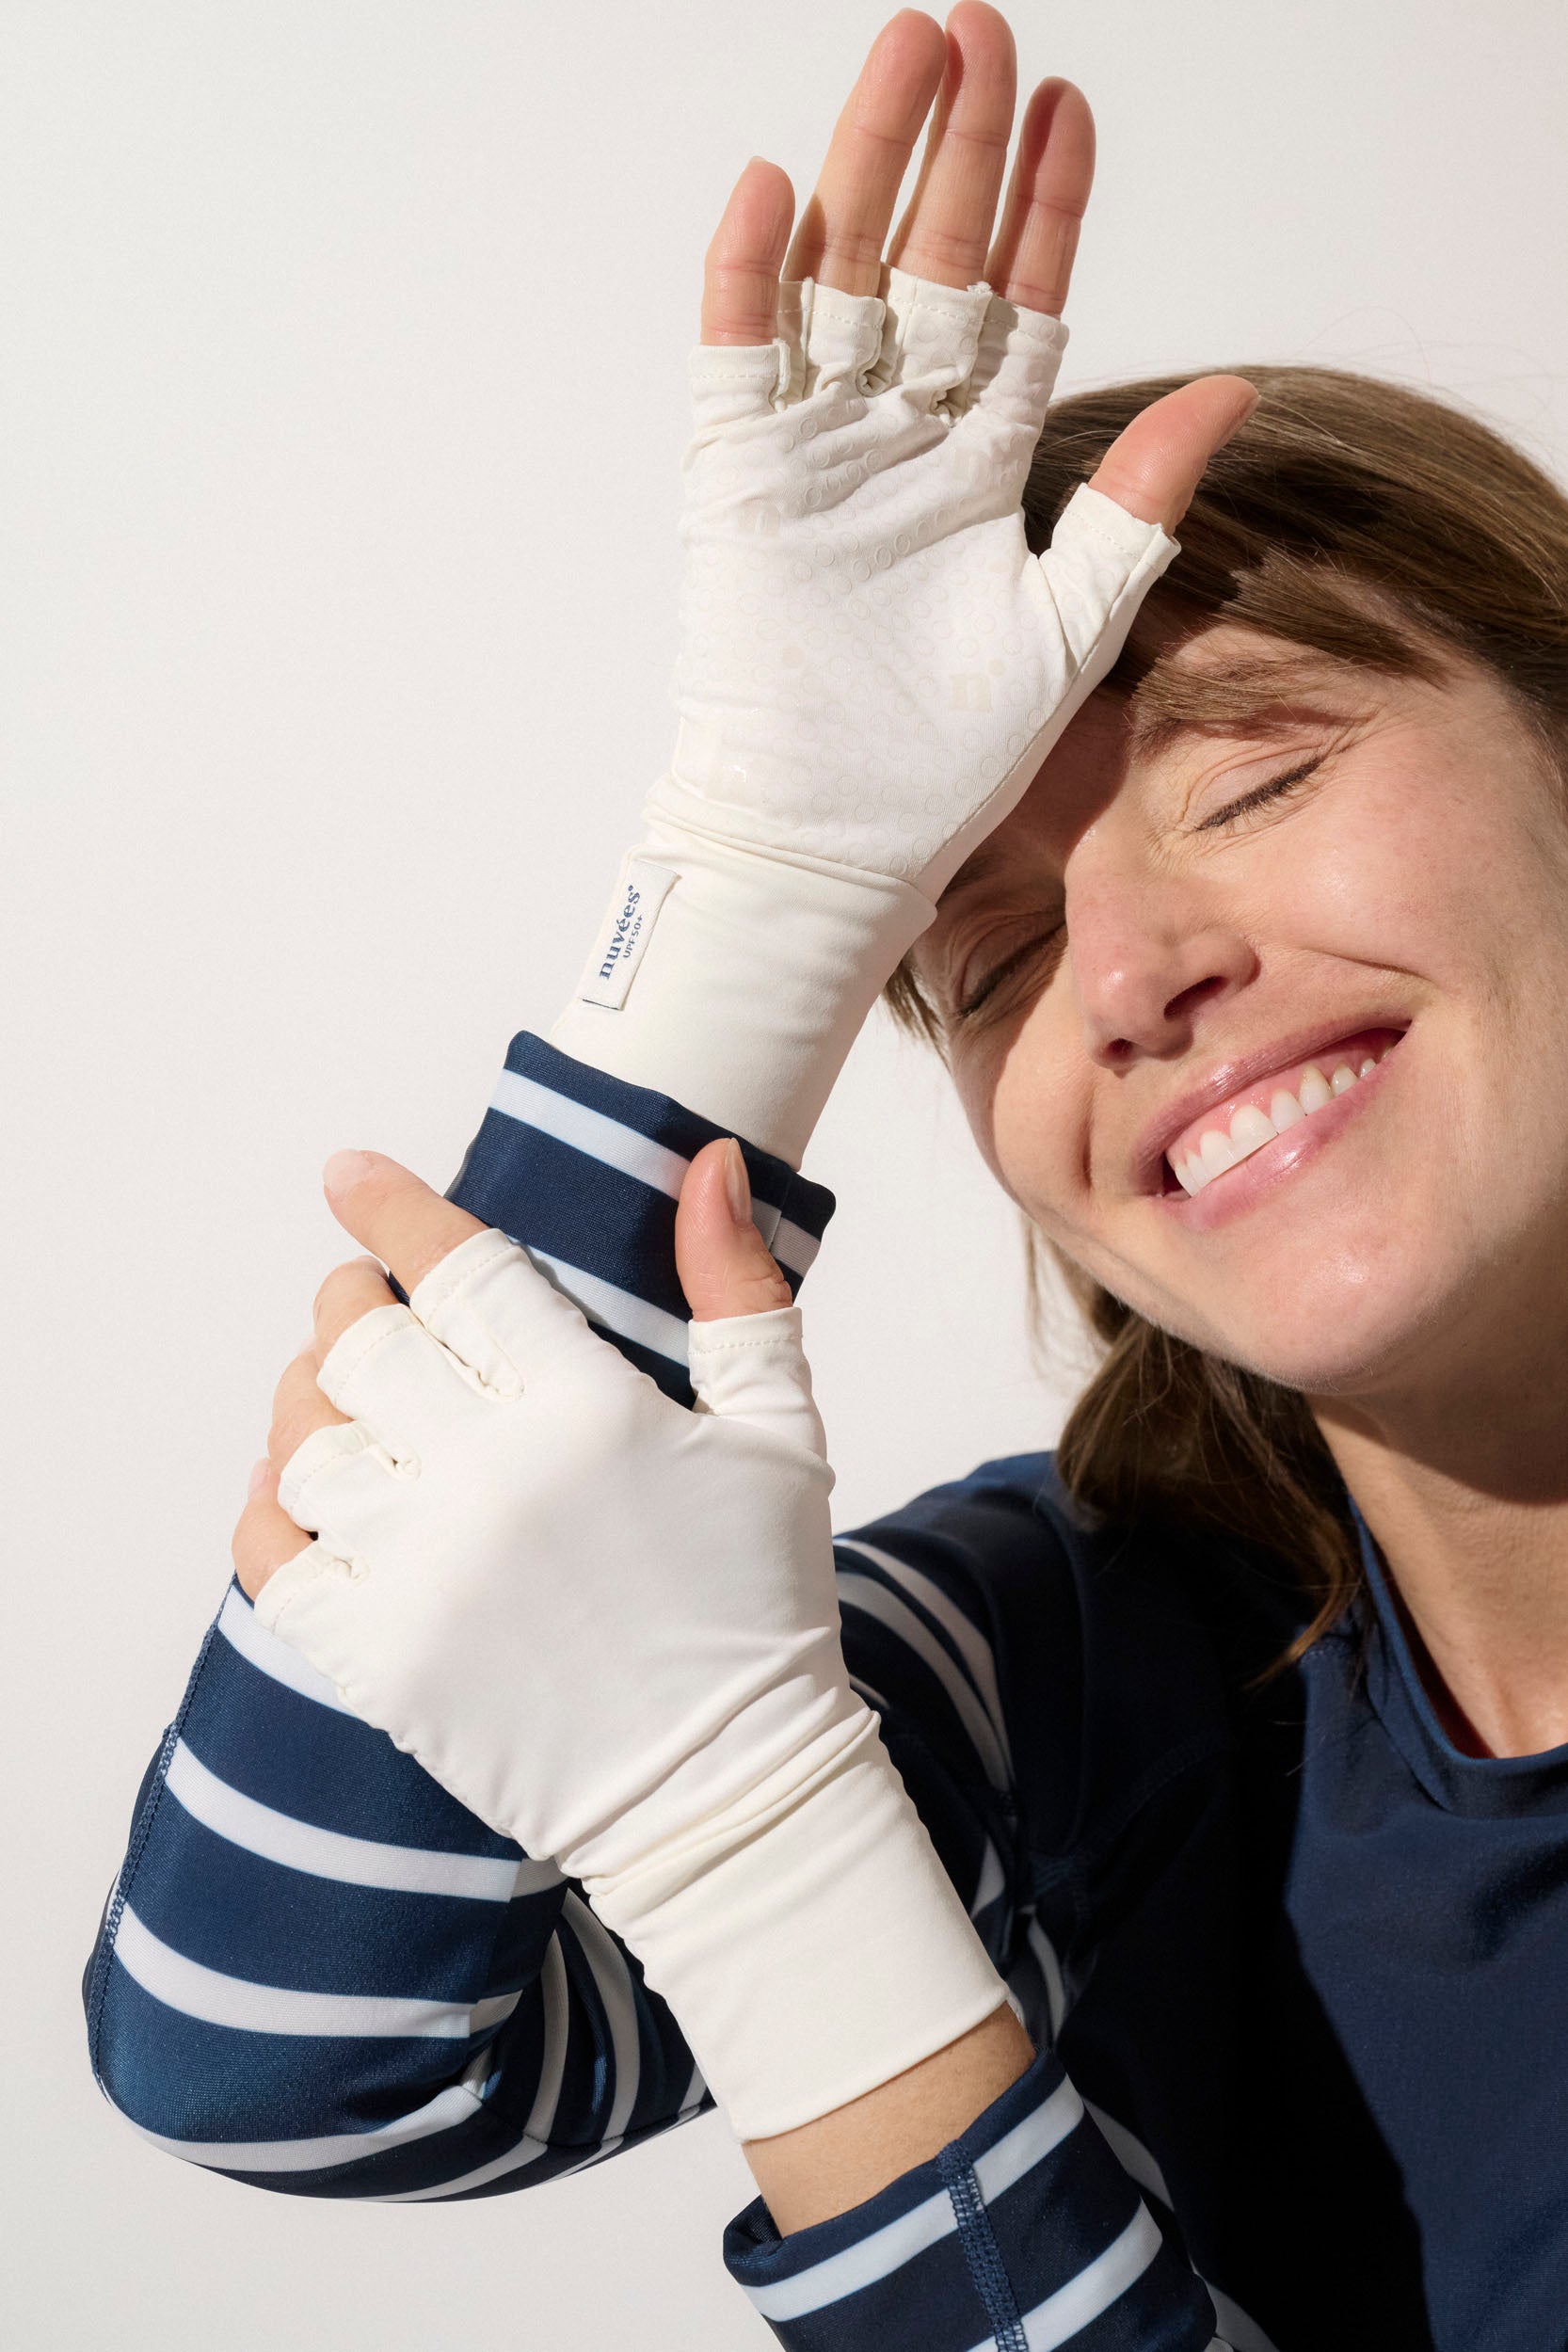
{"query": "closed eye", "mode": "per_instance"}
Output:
(1009, 964)
(1261, 793)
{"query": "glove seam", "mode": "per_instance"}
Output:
(453, 1287)
(388, 1332)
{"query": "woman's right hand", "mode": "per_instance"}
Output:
(874, 665)
(946, 234)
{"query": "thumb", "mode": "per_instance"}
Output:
(1153, 467)
(745, 1352)
(721, 1259)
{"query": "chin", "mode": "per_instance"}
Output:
(1347, 1340)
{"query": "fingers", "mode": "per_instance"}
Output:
(971, 70)
(740, 285)
(944, 231)
(348, 1293)
(1153, 467)
(298, 1409)
(840, 233)
(411, 1229)
(264, 1536)
(1032, 261)
(387, 1208)
(721, 1259)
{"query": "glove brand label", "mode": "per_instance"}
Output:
(625, 935)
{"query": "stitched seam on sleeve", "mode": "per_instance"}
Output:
(141, 1831)
(982, 2252)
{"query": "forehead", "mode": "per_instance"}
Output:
(1170, 692)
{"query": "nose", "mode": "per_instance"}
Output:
(1144, 956)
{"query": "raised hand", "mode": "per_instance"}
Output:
(946, 234)
(874, 665)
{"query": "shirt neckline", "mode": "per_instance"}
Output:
(1477, 1786)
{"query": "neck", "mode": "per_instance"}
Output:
(1467, 1491)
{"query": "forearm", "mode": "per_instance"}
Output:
(736, 983)
(291, 1877)
(309, 1938)
(825, 2167)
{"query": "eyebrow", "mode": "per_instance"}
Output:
(1172, 700)
(982, 864)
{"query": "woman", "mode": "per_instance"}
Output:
(1132, 1922)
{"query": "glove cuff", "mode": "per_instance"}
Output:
(736, 981)
(808, 1942)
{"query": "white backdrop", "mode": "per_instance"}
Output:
(343, 407)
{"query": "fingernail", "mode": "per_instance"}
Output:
(736, 1184)
(259, 1476)
(346, 1169)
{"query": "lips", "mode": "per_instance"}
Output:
(1251, 1078)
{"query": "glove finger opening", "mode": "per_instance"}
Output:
(753, 1368)
(929, 337)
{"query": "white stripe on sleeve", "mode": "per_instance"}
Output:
(864, 1593)
(591, 1132)
(616, 1146)
(270, 1655)
(534, 2140)
(1132, 2154)
(966, 1636)
(613, 1977)
(297, 1845)
(617, 1311)
(886, 2249)
(1069, 2310)
(196, 1991)
(990, 1883)
(794, 1246)
(449, 2108)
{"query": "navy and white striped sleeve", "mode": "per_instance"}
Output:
(316, 1970)
(317, 1974)
(1026, 2230)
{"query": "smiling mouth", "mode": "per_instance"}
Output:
(1211, 1146)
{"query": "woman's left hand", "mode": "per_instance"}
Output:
(724, 1264)
(591, 1613)
(609, 1626)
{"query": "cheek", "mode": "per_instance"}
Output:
(1023, 1112)
(1400, 875)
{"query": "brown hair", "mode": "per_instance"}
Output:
(1369, 522)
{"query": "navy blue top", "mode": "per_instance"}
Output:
(1292, 1963)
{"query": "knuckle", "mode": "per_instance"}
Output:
(766, 1288)
(340, 1280)
(299, 1375)
(250, 1554)
(289, 1431)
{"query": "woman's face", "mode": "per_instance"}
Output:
(1143, 952)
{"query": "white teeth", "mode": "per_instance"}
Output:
(1251, 1128)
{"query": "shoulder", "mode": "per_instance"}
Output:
(1114, 1651)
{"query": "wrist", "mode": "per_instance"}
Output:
(736, 981)
(807, 1938)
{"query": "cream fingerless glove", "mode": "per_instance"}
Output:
(872, 668)
(609, 1626)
